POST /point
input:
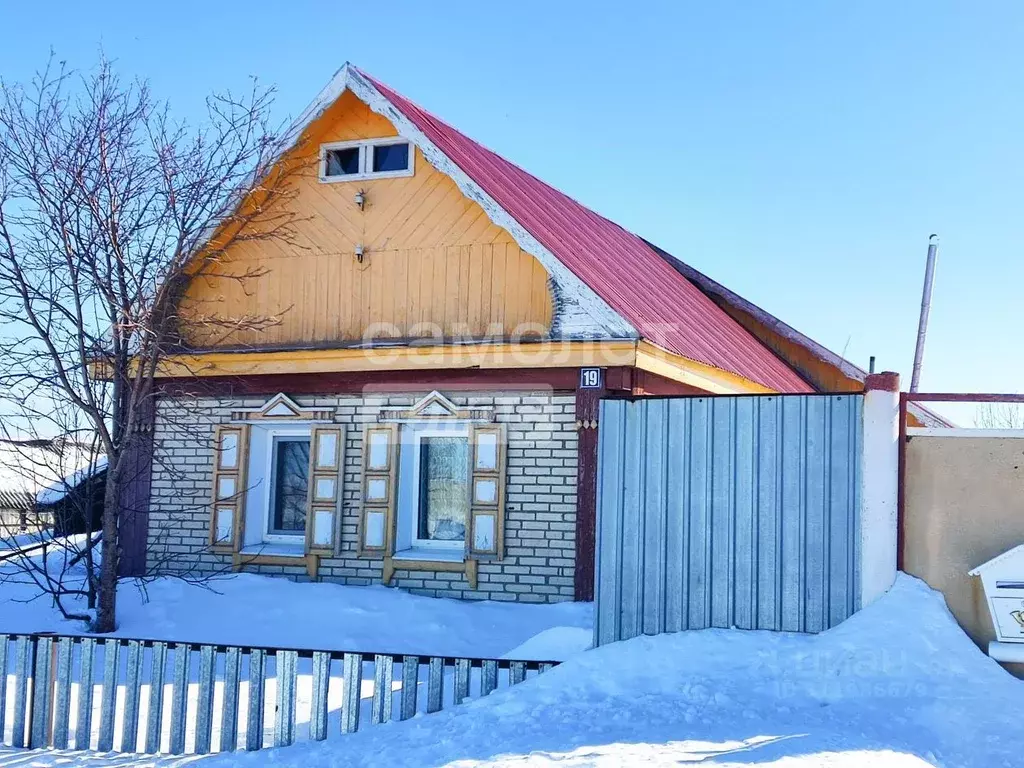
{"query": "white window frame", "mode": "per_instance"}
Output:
(408, 511)
(267, 481)
(366, 147)
(268, 534)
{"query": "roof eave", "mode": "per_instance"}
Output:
(713, 288)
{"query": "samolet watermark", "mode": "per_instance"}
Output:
(866, 672)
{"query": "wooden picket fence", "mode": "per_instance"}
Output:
(241, 697)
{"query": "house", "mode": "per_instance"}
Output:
(422, 410)
(49, 485)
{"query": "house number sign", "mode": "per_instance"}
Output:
(591, 378)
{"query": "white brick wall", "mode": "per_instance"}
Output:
(540, 521)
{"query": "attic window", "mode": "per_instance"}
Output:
(365, 159)
(388, 158)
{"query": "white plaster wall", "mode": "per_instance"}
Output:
(879, 492)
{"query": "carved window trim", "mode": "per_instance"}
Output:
(436, 407)
(281, 408)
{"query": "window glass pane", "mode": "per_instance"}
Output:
(291, 484)
(390, 157)
(444, 488)
(342, 162)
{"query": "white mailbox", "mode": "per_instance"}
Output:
(1003, 580)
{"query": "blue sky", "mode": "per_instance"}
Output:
(798, 152)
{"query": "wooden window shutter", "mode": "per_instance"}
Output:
(380, 489)
(326, 476)
(486, 540)
(227, 509)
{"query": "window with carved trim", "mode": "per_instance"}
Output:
(277, 481)
(434, 479)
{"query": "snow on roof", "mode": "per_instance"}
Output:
(43, 471)
(57, 491)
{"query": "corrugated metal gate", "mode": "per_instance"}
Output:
(727, 512)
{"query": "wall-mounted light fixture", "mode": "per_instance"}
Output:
(360, 251)
(361, 199)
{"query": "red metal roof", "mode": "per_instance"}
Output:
(664, 307)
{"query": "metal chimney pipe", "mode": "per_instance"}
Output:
(926, 305)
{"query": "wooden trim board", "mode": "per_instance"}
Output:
(310, 561)
(469, 567)
(511, 356)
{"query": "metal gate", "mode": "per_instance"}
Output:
(727, 512)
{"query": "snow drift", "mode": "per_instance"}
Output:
(896, 685)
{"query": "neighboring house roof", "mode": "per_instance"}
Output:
(43, 472)
(58, 491)
(16, 499)
(608, 283)
(765, 318)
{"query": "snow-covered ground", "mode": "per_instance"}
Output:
(246, 609)
(9, 541)
(897, 685)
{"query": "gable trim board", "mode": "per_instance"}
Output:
(606, 283)
(653, 359)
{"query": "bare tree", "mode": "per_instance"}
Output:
(109, 207)
(1000, 416)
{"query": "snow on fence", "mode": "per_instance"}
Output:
(216, 698)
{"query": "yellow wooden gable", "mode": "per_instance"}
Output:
(432, 262)
(395, 273)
